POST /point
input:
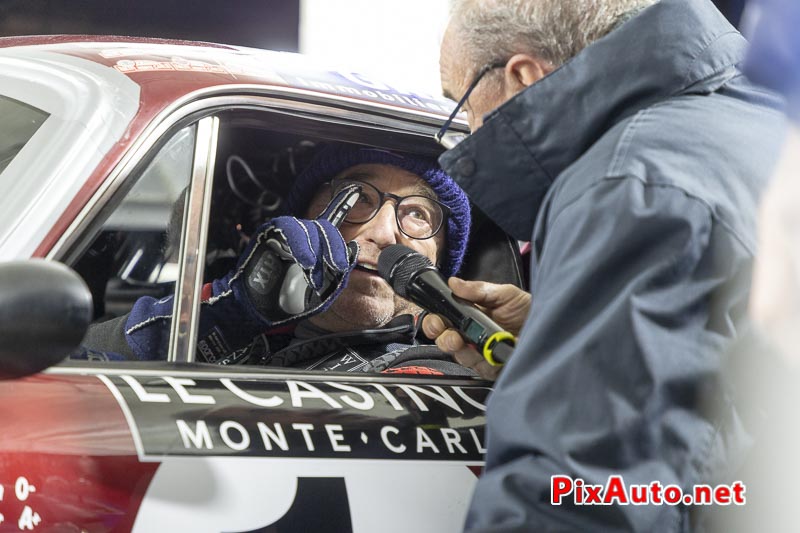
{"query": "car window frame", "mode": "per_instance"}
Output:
(194, 110)
(199, 104)
(194, 238)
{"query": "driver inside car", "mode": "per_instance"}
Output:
(349, 318)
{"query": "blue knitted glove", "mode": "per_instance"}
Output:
(294, 268)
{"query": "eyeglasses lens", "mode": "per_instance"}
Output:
(418, 216)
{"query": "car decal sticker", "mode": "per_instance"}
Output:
(327, 497)
(179, 416)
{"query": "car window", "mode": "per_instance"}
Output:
(20, 122)
(135, 253)
(257, 154)
(257, 162)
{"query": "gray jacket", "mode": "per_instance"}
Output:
(635, 171)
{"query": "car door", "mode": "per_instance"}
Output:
(179, 445)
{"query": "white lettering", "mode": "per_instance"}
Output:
(200, 438)
(370, 93)
(269, 436)
(23, 489)
(306, 429)
(385, 430)
(452, 439)
(244, 438)
(272, 401)
(180, 384)
(143, 395)
(478, 444)
(469, 400)
(387, 97)
(28, 519)
(388, 395)
(302, 81)
(335, 435)
(442, 397)
(424, 441)
(365, 404)
(310, 392)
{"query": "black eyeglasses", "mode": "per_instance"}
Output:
(450, 141)
(418, 216)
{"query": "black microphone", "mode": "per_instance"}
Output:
(413, 276)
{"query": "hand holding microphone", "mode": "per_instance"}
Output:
(414, 277)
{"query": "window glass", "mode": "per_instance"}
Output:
(20, 122)
(136, 252)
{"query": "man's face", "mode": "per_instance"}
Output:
(368, 301)
(456, 76)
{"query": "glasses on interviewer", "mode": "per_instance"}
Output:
(418, 216)
(453, 139)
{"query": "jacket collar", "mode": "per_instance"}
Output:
(673, 47)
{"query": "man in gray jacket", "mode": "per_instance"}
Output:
(621, 140)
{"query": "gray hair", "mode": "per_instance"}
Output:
(551, 30)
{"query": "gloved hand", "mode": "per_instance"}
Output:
(296, 268)
(292, 269)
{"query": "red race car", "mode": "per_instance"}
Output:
(100, 136)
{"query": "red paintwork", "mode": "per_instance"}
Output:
(68, 437)
(158, 90)
(27, 40)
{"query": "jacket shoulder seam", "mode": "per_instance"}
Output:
(702, 50)
(711, 213)
(623, 145)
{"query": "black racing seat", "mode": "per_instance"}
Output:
(492, 255)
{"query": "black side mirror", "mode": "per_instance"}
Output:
(45, 310)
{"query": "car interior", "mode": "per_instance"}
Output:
(131, 250)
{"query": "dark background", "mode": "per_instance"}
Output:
(271, 24)
(732, 9)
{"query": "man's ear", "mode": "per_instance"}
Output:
(523, 70)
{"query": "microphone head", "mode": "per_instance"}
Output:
(397, 264)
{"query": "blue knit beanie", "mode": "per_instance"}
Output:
(338, 157)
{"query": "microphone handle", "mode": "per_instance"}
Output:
(429, 288)
(501, 352)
